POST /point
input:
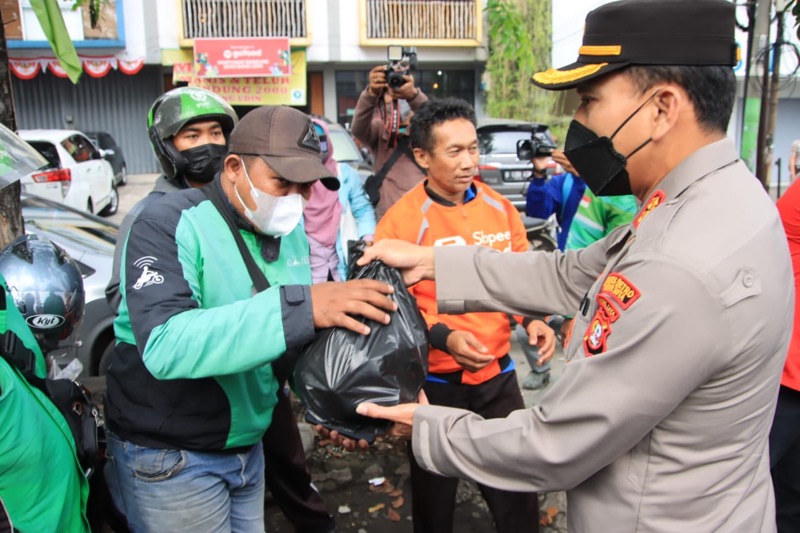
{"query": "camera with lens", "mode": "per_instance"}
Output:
(539, 145)
(402, 60)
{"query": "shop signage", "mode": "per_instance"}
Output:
(242, 58)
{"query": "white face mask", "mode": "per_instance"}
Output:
(274, 215)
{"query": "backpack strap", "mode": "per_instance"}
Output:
(260, 281)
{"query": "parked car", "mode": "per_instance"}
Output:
(77, 175)
(112, 153)
(499, 167)
(90, 241)
(345, 150)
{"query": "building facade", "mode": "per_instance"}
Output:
(121, 59)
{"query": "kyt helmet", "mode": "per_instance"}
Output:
(174, 110)
(47, 288)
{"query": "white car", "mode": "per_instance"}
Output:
(77, 174)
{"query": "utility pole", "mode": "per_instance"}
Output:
(748, 60)
(772, 115)
(761, 53)
(11, 223)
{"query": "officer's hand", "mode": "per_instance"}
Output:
(414, 262)
(542, 336)
(402, 415)
(377, 80)
(335, 304)
(407, 91)
(467, 351)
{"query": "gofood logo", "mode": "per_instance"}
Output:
(45, 321)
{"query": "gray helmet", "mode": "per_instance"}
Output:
(177, 108)
(47, 288)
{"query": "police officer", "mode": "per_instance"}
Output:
(660, 420)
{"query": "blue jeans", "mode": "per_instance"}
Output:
(179, 490)
(531, 352)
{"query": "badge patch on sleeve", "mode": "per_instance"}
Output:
(596, 336)
(619, 289)
(607, 306)
(651, 204)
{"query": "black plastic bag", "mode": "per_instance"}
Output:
(340, 369)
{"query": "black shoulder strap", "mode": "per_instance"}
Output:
(402, 148)
(259, 279)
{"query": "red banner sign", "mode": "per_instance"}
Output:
(253, 58)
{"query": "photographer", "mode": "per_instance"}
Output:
(381, 122)
(561, 194)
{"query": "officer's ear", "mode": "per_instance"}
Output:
(671, 103)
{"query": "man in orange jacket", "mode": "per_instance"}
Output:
(469, 365)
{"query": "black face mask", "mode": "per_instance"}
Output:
(203, 162)
(596, 160)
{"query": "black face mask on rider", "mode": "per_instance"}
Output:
(597, 161)
(203, 162)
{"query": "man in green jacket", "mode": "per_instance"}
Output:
(191, 387)
(42, 484)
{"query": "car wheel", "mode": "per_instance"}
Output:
(123, 179)
(113, 204)
(105, 359)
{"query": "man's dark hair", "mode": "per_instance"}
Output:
(435, 112)
(711, 89)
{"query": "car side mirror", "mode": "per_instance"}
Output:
(106, 153)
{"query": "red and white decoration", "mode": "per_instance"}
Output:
(130, 67)
(27, 68)
(55, 68)
(97, 67)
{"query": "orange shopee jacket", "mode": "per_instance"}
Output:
(489, 220)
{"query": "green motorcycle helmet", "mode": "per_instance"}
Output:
(174, 110)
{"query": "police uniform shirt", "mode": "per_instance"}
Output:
(660, 420)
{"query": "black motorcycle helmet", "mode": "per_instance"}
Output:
(47, 288)
(174, 110)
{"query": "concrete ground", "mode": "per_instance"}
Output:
(138, 186)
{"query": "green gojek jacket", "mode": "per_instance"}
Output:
(42, 485)
(195, 342)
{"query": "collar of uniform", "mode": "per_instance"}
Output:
(702, 162)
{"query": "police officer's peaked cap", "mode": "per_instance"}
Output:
(649, 32)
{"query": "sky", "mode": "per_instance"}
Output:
(568, 22)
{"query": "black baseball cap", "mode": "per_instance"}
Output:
(649, 32)
(285, 138)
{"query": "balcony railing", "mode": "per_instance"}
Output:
(245, 18)
(421, 22)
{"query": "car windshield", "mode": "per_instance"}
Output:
(92, 234)
(500, 142)
(48, 151)
(344, 149)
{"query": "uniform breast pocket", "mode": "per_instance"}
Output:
(638, 460)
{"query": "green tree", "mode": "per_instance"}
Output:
(520, 43)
